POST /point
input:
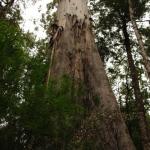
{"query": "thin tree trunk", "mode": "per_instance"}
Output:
(77, 56)
(138, 97)
(146, 60)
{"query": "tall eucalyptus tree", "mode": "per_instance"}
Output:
(146, 60)
(75, 55)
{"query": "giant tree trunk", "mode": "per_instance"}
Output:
(76, 55)
(138, 97)
(146, 61)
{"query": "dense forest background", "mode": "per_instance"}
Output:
(34, 116)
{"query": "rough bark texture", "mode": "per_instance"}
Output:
(146, 60)
(77, 56)
(138, 97)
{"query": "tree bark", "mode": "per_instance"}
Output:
(77, 56)
(146, 60)
(138, 97)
